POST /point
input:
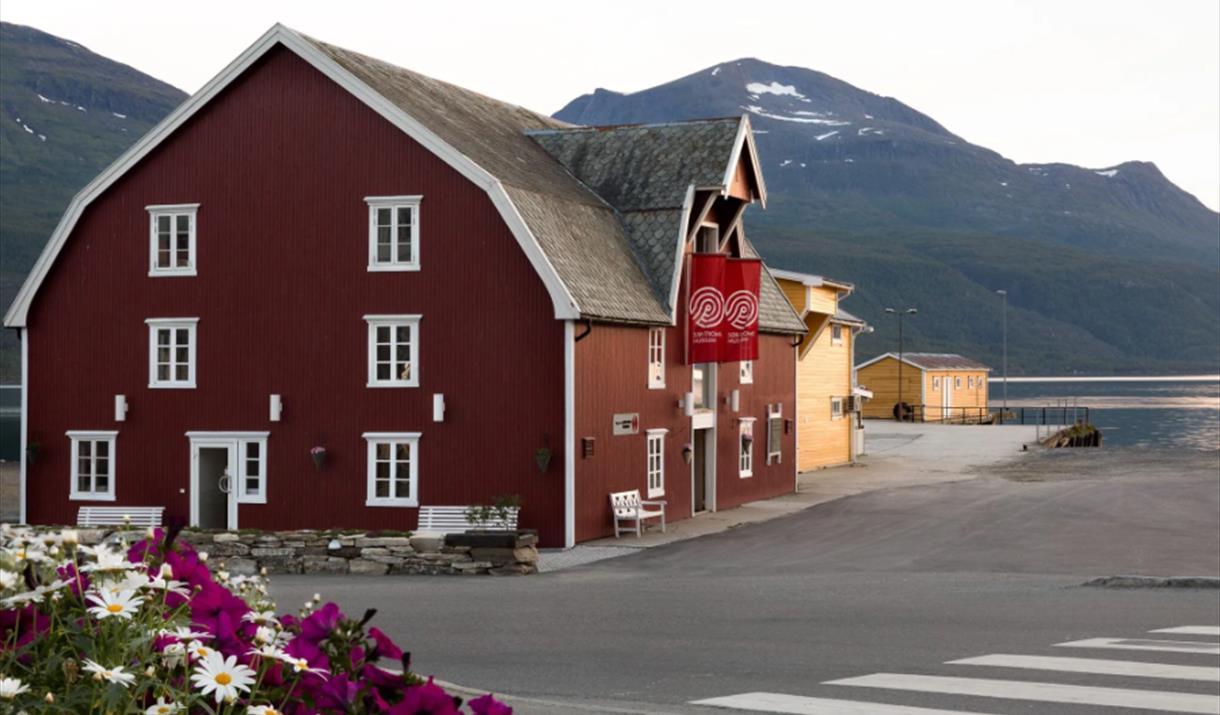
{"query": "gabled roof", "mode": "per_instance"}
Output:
(931, 361)
(595, 261)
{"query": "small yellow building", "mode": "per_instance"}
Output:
(939, 387)
(825, 425)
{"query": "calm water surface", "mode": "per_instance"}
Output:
(1184, 415)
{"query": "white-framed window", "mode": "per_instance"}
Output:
(171, 239)
(656, 358)
(393, 350)
(252, 471)
(935, 383)
(92, 465)
(393, 233)
(775, 432)
(836, 408)
(957, 383)
(970, 383)
(746, 372)
(171, 352)
(745, 448)
(393, 468)
(656, 463)
(836, 334)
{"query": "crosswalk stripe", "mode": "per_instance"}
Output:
(1145, 644)
(1133, 668)
(799, 705)
(1043, 692)
(1190, 630)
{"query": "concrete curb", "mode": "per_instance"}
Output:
(1154, 582)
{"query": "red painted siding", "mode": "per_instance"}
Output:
(280, 165)
(611, 377)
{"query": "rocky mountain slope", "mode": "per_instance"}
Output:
(1108, 269)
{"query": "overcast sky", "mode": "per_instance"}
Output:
(1085, 82)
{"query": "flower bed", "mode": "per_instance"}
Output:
(150, 628)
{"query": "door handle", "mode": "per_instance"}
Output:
(223, 483)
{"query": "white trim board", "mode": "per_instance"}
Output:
(561, 298)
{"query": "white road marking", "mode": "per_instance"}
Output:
(1191, 630)
(1132, 668)
(798, 705)
(1145, 644)
(1041, 692)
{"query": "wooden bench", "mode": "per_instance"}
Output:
(119, 515)
(452, 520)
(627, 506)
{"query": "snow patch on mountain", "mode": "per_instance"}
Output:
(774, 88)
(1108, 173)
(755, 109)
(827, 135)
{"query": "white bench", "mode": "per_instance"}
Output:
(627, 506)
(119, 515)
(452, 520)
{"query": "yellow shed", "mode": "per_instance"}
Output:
(939, 387)
(825, 425)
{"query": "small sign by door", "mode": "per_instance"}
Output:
(626, 423)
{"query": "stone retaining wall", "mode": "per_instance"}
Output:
(308, 551)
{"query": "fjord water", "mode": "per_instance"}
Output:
(1160, 413)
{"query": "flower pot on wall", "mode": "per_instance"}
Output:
(318, 454)
(542, 457)
(688, 453)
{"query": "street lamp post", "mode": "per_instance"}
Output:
(909, 311)
(1004, 323)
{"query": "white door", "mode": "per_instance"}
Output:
(213, 486)
(946, 404)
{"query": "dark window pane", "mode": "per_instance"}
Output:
(383, 371)
(184, 258)
(402, 352)
(101, 467)
(163, 225)
(102, 449)
(82, 484)
(182, 373)
(383, 450)
(402, 488)
(163, 258)
(184, 336)
(252, 450)
(383, 334)
(402, 333)
(404, 243)
(383, 217)
(383, 353)
(383, 488)
(162, 336)
(162, 373)
(404, 216)
(184, 224)
(85, 449)
(182, 355)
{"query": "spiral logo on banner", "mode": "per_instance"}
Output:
(741, 309)
(707, 307)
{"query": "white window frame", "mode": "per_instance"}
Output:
(745, 372)
(78, 436)
(655, 450)
(656, 358)
(173, 211)
(970, 382)
(935, 384)
(393, 203)
(957, 382)
(745, 457)
(836, 408)
(775, 412)
(173, 325)
(836, 334)
(393, 439)
(244, 496)
(393, 321)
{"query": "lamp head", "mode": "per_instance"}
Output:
(890, 310)
(912, 311)
(1001, 292)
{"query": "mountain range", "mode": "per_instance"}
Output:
(1112, 269)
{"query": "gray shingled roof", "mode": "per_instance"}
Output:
(939, 361)
(606, 208)
(846, 317)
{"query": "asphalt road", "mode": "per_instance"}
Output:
(898, 581)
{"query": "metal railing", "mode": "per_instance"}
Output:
(1064, 413)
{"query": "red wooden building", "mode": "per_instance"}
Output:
(438, 289)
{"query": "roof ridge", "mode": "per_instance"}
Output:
(573, 128)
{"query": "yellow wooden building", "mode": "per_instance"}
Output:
(939, 387)
(825, 426)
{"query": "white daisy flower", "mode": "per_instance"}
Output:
(11, 688)
(70, 537)
(8, 579)
(163, 707)
(28, 553)
(174, 655)
(113, 675)
(223, 678)
(261, 618)
(161, 584)
(184, 633)
(119, 605)
(263, 710)
(301, 665)
(110, 561)
(198, 651)
(130, 581)
(20, 599)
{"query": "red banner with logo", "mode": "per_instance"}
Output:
(742, 277)
(705, 308)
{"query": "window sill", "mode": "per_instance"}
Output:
(746, 475)
(391, 384)
(252, 500)
(394, 268)
(171, 386)
(654, 386)
(392, 502)
(172, 273)
(654, 493)
(91, 497)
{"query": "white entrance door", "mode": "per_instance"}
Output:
(946, 404)
(213, 486)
